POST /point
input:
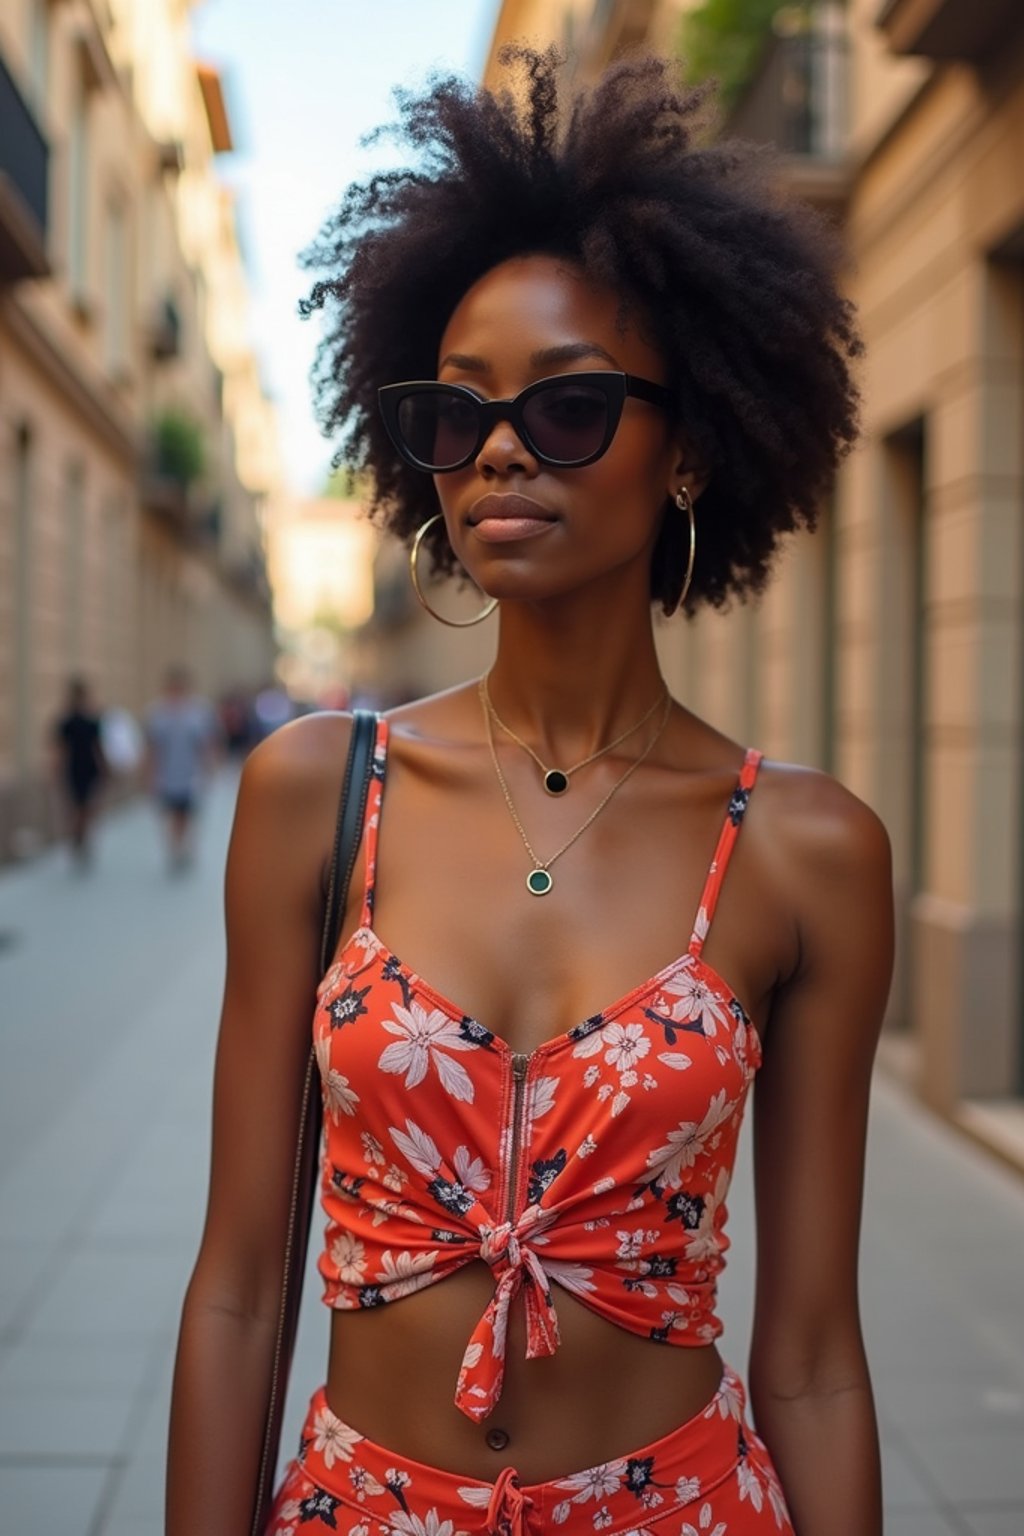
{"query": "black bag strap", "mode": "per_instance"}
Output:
(351, 811)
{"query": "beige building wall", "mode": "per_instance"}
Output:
(591, 35)
(888, 648)
(321, 553)
(932, 510)
(126, 300)
(403, 652)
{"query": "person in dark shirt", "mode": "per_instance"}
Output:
(81, 765)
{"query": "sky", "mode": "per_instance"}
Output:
(304, 80)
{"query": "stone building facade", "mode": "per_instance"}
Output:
(890, 647)
(929, 617)
(137, 447)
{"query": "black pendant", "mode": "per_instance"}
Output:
(539, 882)
(497, 1439)
(556, 782)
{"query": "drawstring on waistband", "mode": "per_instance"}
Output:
(509, 1508)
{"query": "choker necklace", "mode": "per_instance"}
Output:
(556, 780)
(539, 881)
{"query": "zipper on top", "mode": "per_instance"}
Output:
(520, 1067)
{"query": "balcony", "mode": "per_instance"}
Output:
(968, 30)
(166, 498)
(796, 101)
(24, 157)
(172, 470)
(189, 513)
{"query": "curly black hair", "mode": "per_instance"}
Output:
(738, 285)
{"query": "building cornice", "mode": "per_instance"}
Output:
(91, 398)
(869, 219)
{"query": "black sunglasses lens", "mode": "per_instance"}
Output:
(438, 428)
(567, 422)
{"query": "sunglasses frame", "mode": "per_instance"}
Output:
(616, 388)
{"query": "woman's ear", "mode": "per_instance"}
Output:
(690, 471)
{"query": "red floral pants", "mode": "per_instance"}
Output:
(710, 1477)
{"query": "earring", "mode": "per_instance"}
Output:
(414, 573)
(684, 501)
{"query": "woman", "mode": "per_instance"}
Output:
(625, 345)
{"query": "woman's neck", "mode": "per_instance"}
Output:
(569, 688)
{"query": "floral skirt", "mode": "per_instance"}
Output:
(710, 1477)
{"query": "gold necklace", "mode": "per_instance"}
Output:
(556, 780)
(539, 881)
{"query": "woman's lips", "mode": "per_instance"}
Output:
(497, 519)
(502, 530)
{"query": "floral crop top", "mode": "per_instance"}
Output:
(599, 1162)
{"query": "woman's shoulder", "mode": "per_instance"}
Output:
(288, 800)
(806, 808)
(301, 744)
(300, 754)
(821, 842)
(824, 863)
(308, 754)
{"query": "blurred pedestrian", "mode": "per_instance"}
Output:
(123, 744)
(81, 766)
(181, 738)
(235, 722)
(271, 709)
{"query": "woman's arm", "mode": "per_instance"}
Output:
(810, 1388)
(282, 835)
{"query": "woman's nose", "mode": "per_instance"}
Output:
(504, 451)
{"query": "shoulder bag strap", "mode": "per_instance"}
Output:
(351, 811)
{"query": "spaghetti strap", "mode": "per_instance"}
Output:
(723, 850)
(371, 823)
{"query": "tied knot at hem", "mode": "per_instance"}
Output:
(501, 1246)
(510, 1510)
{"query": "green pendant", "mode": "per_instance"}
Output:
(556, 782)
(539, 882)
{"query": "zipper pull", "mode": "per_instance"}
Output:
(520, 1066)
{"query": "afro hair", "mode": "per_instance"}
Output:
(625, 180)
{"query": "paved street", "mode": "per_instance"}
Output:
(109, 990)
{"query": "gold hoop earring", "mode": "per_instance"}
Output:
(684, 501)
(414, 573)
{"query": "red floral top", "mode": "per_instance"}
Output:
(599, 1162)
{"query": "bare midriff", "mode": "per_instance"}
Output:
(605, 1392)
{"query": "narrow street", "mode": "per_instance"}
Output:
(109, 993)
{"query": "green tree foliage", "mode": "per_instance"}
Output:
(344, 483)
(723, 39)
(180, 450)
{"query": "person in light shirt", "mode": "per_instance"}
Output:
(181, 739)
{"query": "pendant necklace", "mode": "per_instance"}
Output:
(539, 881)
(556, 780)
